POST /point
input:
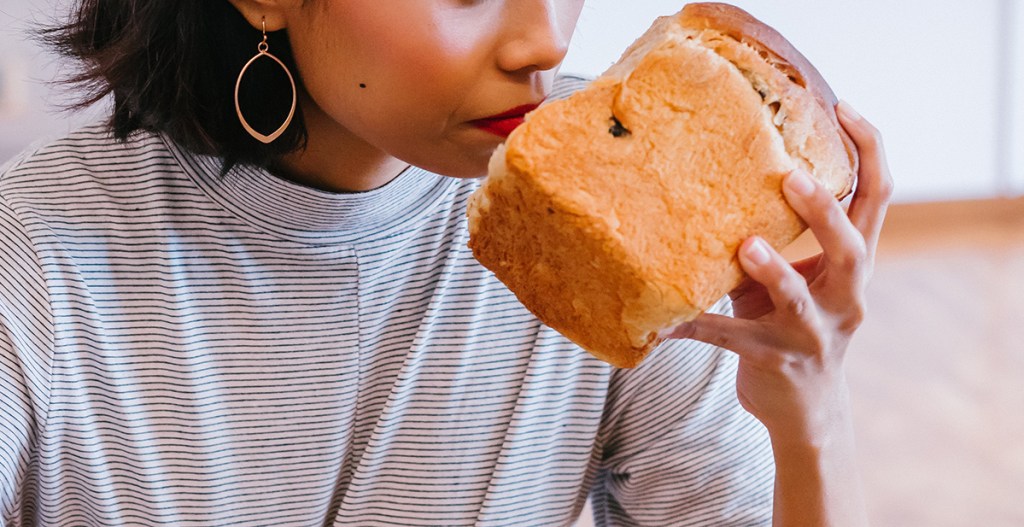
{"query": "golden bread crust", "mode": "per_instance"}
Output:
(616, 214)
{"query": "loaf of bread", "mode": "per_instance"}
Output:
(616, 214)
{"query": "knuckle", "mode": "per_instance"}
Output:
(874, 135)
(782, 280)
(860, 250)
(855, 258)
(853, 317)
(725, 341)
(815, 338)
(869, 140)
(849, 264)
(798, 306)
(886, 187)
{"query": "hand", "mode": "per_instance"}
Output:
(793, 322)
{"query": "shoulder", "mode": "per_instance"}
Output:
(84, 161)
(677, 373)
(92, 148)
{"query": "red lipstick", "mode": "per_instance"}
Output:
(503, 123)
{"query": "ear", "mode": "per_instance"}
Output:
(274, 11)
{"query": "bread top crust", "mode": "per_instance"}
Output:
(776, 50)
(797, 73)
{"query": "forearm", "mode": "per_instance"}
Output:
(818, 484)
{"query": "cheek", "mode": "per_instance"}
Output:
(401, 91)
(368, 60)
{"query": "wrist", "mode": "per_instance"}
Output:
(817, 481)
(830, 434)
(824, 422)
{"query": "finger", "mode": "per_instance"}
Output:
(874, 182)
(785, 286)
(750, 299)
(809, 267)
(843, 245)
(748, 339)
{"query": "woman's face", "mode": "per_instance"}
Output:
(414, 78)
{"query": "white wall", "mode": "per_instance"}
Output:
(1015, 142)
(925, 72)
(28, 104)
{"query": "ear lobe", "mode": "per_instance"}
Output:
(257, 11)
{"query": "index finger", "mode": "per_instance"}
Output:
(874, 183)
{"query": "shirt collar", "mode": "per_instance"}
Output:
(287, 209)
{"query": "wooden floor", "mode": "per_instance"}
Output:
(937, 369)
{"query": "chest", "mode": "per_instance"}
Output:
(335, 377)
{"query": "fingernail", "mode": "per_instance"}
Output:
(800, 183)
(848, 112)
(757, 252)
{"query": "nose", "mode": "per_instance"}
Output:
(538, 34)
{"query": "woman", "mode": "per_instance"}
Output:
(227, 309)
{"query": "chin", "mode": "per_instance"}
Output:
(462, 167)
(466, 174)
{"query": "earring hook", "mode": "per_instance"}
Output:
(263, 47)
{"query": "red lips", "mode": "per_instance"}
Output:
(503, 123)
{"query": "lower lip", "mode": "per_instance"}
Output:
(500, 127)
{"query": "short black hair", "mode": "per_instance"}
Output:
(172, 65)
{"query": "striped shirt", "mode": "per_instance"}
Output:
(178, 348)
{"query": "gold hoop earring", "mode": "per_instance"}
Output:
(264, 51)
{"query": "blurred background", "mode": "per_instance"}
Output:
(938, 367)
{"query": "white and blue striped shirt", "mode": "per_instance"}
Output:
(182, 349)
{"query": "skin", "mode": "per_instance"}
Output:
(452, 61)
(428, 67)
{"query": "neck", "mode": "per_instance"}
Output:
(335, 160)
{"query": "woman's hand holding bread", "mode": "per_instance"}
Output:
(792, 326)
(793, 323)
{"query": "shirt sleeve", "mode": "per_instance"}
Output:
(678, 449)
(25, 341)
